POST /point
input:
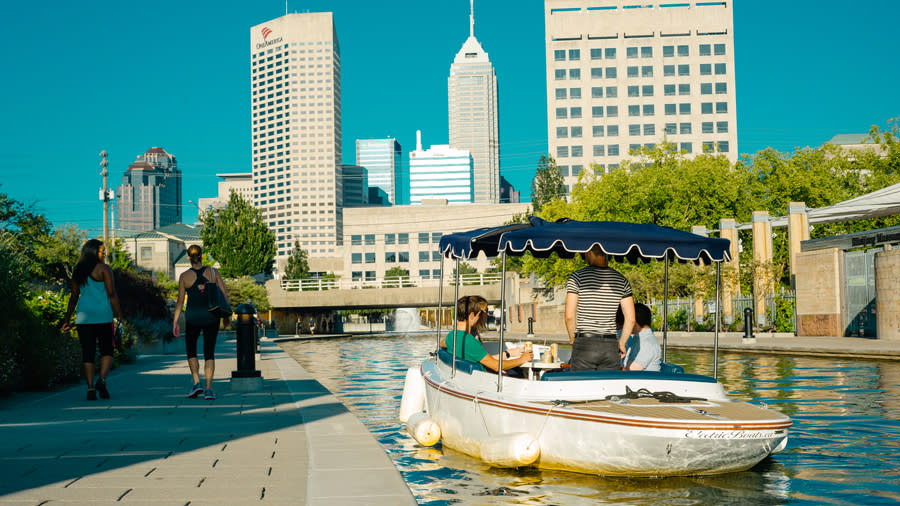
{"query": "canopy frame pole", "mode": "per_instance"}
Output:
(440, 307)
(502, 319)
(453, 325)
(665, 324)
(716, 344)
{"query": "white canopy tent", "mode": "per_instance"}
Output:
(883, 202)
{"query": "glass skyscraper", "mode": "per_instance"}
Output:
(150, 194)
(383, 160)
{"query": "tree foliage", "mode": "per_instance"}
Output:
(547, 184)
(297, 264)
(246, 290)
(238, 238)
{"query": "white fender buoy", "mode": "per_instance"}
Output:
(423, 429)
(413, 400)
(510, 450)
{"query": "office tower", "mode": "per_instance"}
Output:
(508, 194)
(295, 95)
(383, 160)
(355, 182)
(439, 173)
(150, 194)
(472, 92)
(621, 76)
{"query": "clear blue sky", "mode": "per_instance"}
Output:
(80, 77)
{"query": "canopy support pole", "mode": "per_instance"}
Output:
(502, 319)
(716, 344)
(440, 308)
(455, 304)
(665, 324)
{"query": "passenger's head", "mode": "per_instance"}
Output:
(92, 253)
(471, 305)
(595, 256)
(195, 254)
(642, 315)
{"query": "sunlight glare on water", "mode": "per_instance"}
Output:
(844, 447)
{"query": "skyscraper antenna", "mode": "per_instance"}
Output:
(285, 8)
(471, 18)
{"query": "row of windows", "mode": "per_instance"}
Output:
(609, 53)
(613, 149)
(371, 275)
(706, 127)
(647, 90)
(634, 71)
(394, 257)
(369, 239)
(612, 111)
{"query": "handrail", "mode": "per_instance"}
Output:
(477, 279)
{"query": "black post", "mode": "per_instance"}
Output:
(246, 333)
(530, 325)
(748, 323)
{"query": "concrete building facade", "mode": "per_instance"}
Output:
(623, 76)
(150, 194)
(440, 172)
(295, 97)
(239, 182)
(473, 115)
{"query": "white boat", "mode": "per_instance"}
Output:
(627, 423)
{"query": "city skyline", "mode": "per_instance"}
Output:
(83, 71)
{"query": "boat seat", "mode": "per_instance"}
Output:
(465, 366)
(613, 374)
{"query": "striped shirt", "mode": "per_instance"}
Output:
(599, 290)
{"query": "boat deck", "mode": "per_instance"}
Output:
(693, 410)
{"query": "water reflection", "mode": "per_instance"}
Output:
(844, 447)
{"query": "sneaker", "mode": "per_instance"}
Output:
(101, 389)
(195, 391)
(209, 395)
(92, 394)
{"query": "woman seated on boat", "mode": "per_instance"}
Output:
(642, 350)
(471, 310)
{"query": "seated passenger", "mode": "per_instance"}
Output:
(470, 310)
(642, 350)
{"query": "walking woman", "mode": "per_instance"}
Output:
(198, 319)
(94, 294)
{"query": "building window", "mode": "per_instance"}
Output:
(597, 130)
(720, 69)
(370, 239)
(423, 256)
(562, 151)
(561, 112)
(684, 89)
(721, 88)
(356, 258)
(612, 111)
(634, 110)
(684, 128)
(610, 53)
(612, 150)
(370, 258)
(390, 257)
(647, 52)
(611, 91)
(669, 90)
(574, 73)
(597, 111)
(632, 71)
(562, 132)
(649, 110)
(709, 147)
(721, 107)
(668, 70)
(356, 240)
(436, 237)
(403, 238)
(705, 50)
(684, 70)
(403, 257)
(559, 74)
(634, 148)
(706, 88)
(634, 91)
(723, 146)
(577, 151)
(647, 90)
(146, 252)
(683, 51)
(596, 54)
(684, 108)
(563, 170)
(647, 71)
(576, 132)
(669, 109)
(599, 150)
(611, 73)
(668, 51)
(722, 127)
(687, 147)
(705, 69)
(634, 130)
(559, 55)
(649, 129)
(370, 276)
(560, 93)
(435, 256)
(612, 131)
(596, 72)
(575, 93)
(597, 92)
(574, 54)
(390, 238)
(424, 273)
(706, 108)
(706, 127)
(423, 237)
(631, 52)
(575, 112)
(356, 276)
(719, 49)
(671, 128)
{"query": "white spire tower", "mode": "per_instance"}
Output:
(472, 94)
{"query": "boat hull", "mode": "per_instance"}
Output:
(627, 438)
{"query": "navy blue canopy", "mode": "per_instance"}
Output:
(631, 242)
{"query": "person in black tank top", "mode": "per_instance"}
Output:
(193, 283)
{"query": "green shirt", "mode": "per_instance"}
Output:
(470, 348)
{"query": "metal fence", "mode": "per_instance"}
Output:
(294, 285)
(681, 313)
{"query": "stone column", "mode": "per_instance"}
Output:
(798, 230)
(731, 284)
(762, 256)
(699, 296)
(887, 294)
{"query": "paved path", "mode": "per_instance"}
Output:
(291, 442)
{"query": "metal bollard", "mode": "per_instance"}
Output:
(530, 325)
(246, 333)
(748, 323)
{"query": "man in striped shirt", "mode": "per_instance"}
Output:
(593, 295)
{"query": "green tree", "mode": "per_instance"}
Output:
(238, 238)
(120, 258)
(246, 290)
(29, 228)
(547, 184)
(59, 252)
(397, 276)
(297, 264)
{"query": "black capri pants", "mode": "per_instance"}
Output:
(92, 334)
(192, 334)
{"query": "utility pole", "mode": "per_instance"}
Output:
(105, 197)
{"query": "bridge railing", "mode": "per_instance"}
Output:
(296, 285)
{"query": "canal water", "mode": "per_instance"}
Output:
(844, 447)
